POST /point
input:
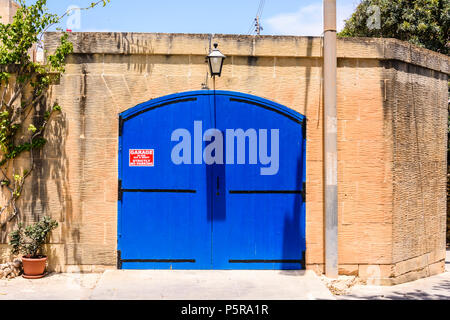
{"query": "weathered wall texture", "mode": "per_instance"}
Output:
(391, 150)
(417, 109)
(448, 202)
(8, 9)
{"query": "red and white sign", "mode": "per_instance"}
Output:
(142, 158)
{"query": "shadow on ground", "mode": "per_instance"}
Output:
(440, 291)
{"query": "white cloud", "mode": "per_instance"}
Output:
(307, 21)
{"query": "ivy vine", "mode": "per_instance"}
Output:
(24, 83)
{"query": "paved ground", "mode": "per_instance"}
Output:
(170, 285)
(210, 285)
(432, 288)
(55, 286)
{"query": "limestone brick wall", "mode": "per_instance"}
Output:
(8, 9)
(381, 210)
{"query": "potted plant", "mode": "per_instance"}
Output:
(29, 241)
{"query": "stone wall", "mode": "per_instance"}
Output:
(391, 163)
(417, 110)
(448, 205)
(8, 9)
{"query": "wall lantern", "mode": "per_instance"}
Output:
(215, 61)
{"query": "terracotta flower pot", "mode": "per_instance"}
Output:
(34, 268)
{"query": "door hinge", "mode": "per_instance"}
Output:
(304, 192)
(119, 260)
(120, 126)
(304, 259)
(119, 191)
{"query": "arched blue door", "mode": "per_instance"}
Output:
(211, 180)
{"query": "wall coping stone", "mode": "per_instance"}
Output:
(244, 45)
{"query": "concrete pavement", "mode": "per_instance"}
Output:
(56, 286)
(170, 285)
(210, 285)
(431, 288)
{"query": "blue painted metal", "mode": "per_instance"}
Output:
(236, 219)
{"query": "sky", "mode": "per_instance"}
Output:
(279, 17)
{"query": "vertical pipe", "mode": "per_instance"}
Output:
(330, 137)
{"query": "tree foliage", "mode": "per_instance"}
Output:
(425, 23)
(24, 111)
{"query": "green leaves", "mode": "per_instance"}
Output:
(104, 2)
(16, 41)
(4, 76)
(32, 128)
(23, 87)
(425, 23)
(56, 61)
(31, 239)
(16, 239)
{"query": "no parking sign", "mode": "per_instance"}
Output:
(142, 158)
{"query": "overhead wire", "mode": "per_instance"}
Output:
(262, 3)
(259, 13)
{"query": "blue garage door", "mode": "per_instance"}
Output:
(211, 180)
